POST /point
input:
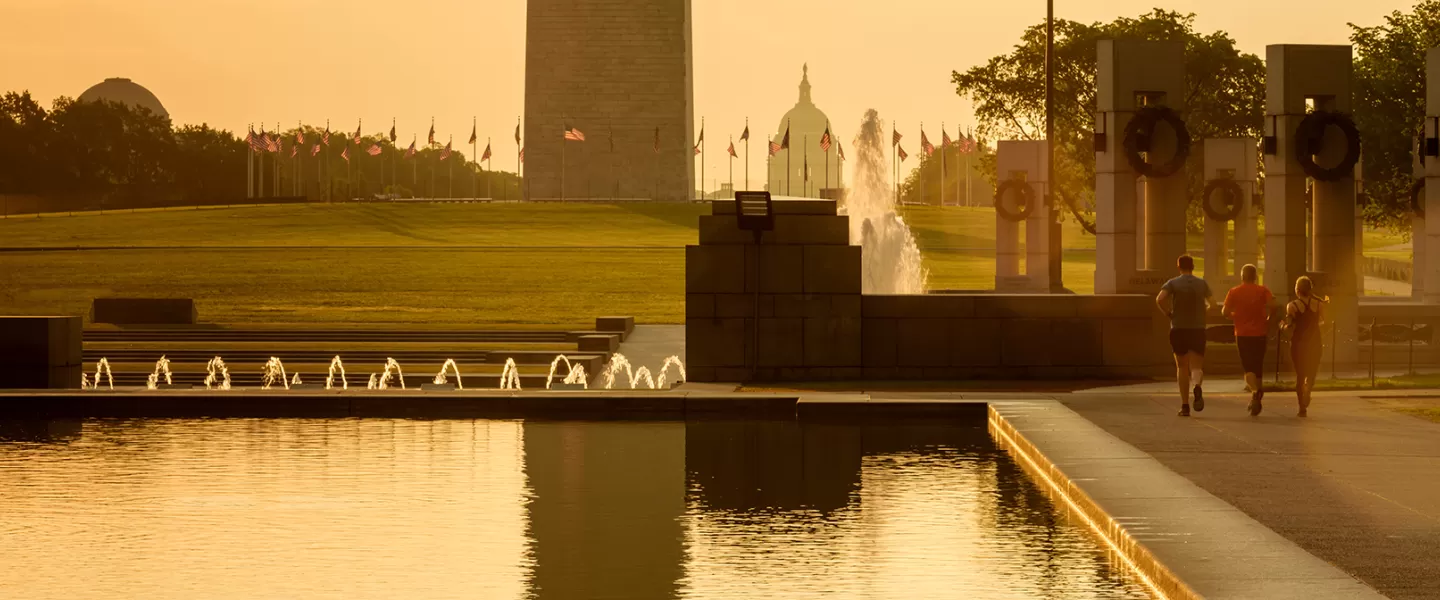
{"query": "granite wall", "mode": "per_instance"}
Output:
(814, 324)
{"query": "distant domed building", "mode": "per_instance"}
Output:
(124, 91)
(806, 123)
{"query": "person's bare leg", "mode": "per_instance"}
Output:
(1182, 377)
(1196, 362)
(1303, 392)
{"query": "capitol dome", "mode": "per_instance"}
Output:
(124, 91)
(806, 124)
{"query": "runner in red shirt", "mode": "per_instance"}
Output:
(1248, 305)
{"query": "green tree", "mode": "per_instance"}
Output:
(1225, 91)
(1390, 104)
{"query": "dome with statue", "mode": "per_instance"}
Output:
(124, 91)
(806, 124)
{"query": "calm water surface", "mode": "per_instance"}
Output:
(361, 509)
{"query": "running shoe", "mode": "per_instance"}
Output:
(1199, 399)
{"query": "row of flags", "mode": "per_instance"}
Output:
(966, 143)
(826, 142)
(265, 142)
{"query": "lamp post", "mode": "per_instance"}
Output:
(1056, 285)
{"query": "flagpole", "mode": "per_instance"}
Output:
(702, 158)
(489, 177)
(788, 173)
(250, 163)
(562, 160)
(732, 166)
(747, 153)
(519, 193)
(969, 150)
(827, 156)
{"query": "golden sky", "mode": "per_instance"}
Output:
(233, 62)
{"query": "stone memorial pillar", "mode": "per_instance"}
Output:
(1141, 146)
(1228, 195)
(1309, 135)
(1427, 249)
(1417, 220)
(1019, 198)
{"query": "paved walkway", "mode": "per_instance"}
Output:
(1355, 484)
(649, 346)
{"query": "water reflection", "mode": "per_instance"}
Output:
(505, 509)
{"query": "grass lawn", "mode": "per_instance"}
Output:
(462, 264)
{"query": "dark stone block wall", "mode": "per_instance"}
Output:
(40, 352)
(814, 324)
(611, 68)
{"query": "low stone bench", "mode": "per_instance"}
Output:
(621, 325)
(40, 352)
(143, 311)
(600, 342)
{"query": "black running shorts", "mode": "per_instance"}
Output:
(1184, 341)
(1252, 353)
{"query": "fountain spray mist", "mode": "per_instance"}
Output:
(892, 260)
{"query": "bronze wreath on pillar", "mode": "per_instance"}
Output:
(1309, 137)
(1138, 136)
(1026, 200)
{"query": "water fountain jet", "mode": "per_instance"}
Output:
(162, 366)
(330, 377)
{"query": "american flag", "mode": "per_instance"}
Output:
(517, 133)
(357, 133)
(315, 150)
(392, 131)
(895, 137)
(574, 134)
(294, 150)
(472, 135)
(732, 150)
(256, 143)
(841, 149)
(697, 149)
(746, 135)
(486, 155)
(345, 153)
(446, 152)
(374, 150)
(785, 143)
(944, 138)
(411, 151)
(925, 144)
(299, 136)
(432, 132)
(522, 154)
(269, 143)
(901, 151)
(325, 137)
(702, 137)
(825, 140)
(774, 148)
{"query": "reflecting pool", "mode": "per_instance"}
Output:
(531, 509)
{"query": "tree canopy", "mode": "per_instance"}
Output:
(83, 155)
(1389, 100)
(1225, 90)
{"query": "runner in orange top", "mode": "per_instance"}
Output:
(1248, 305)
